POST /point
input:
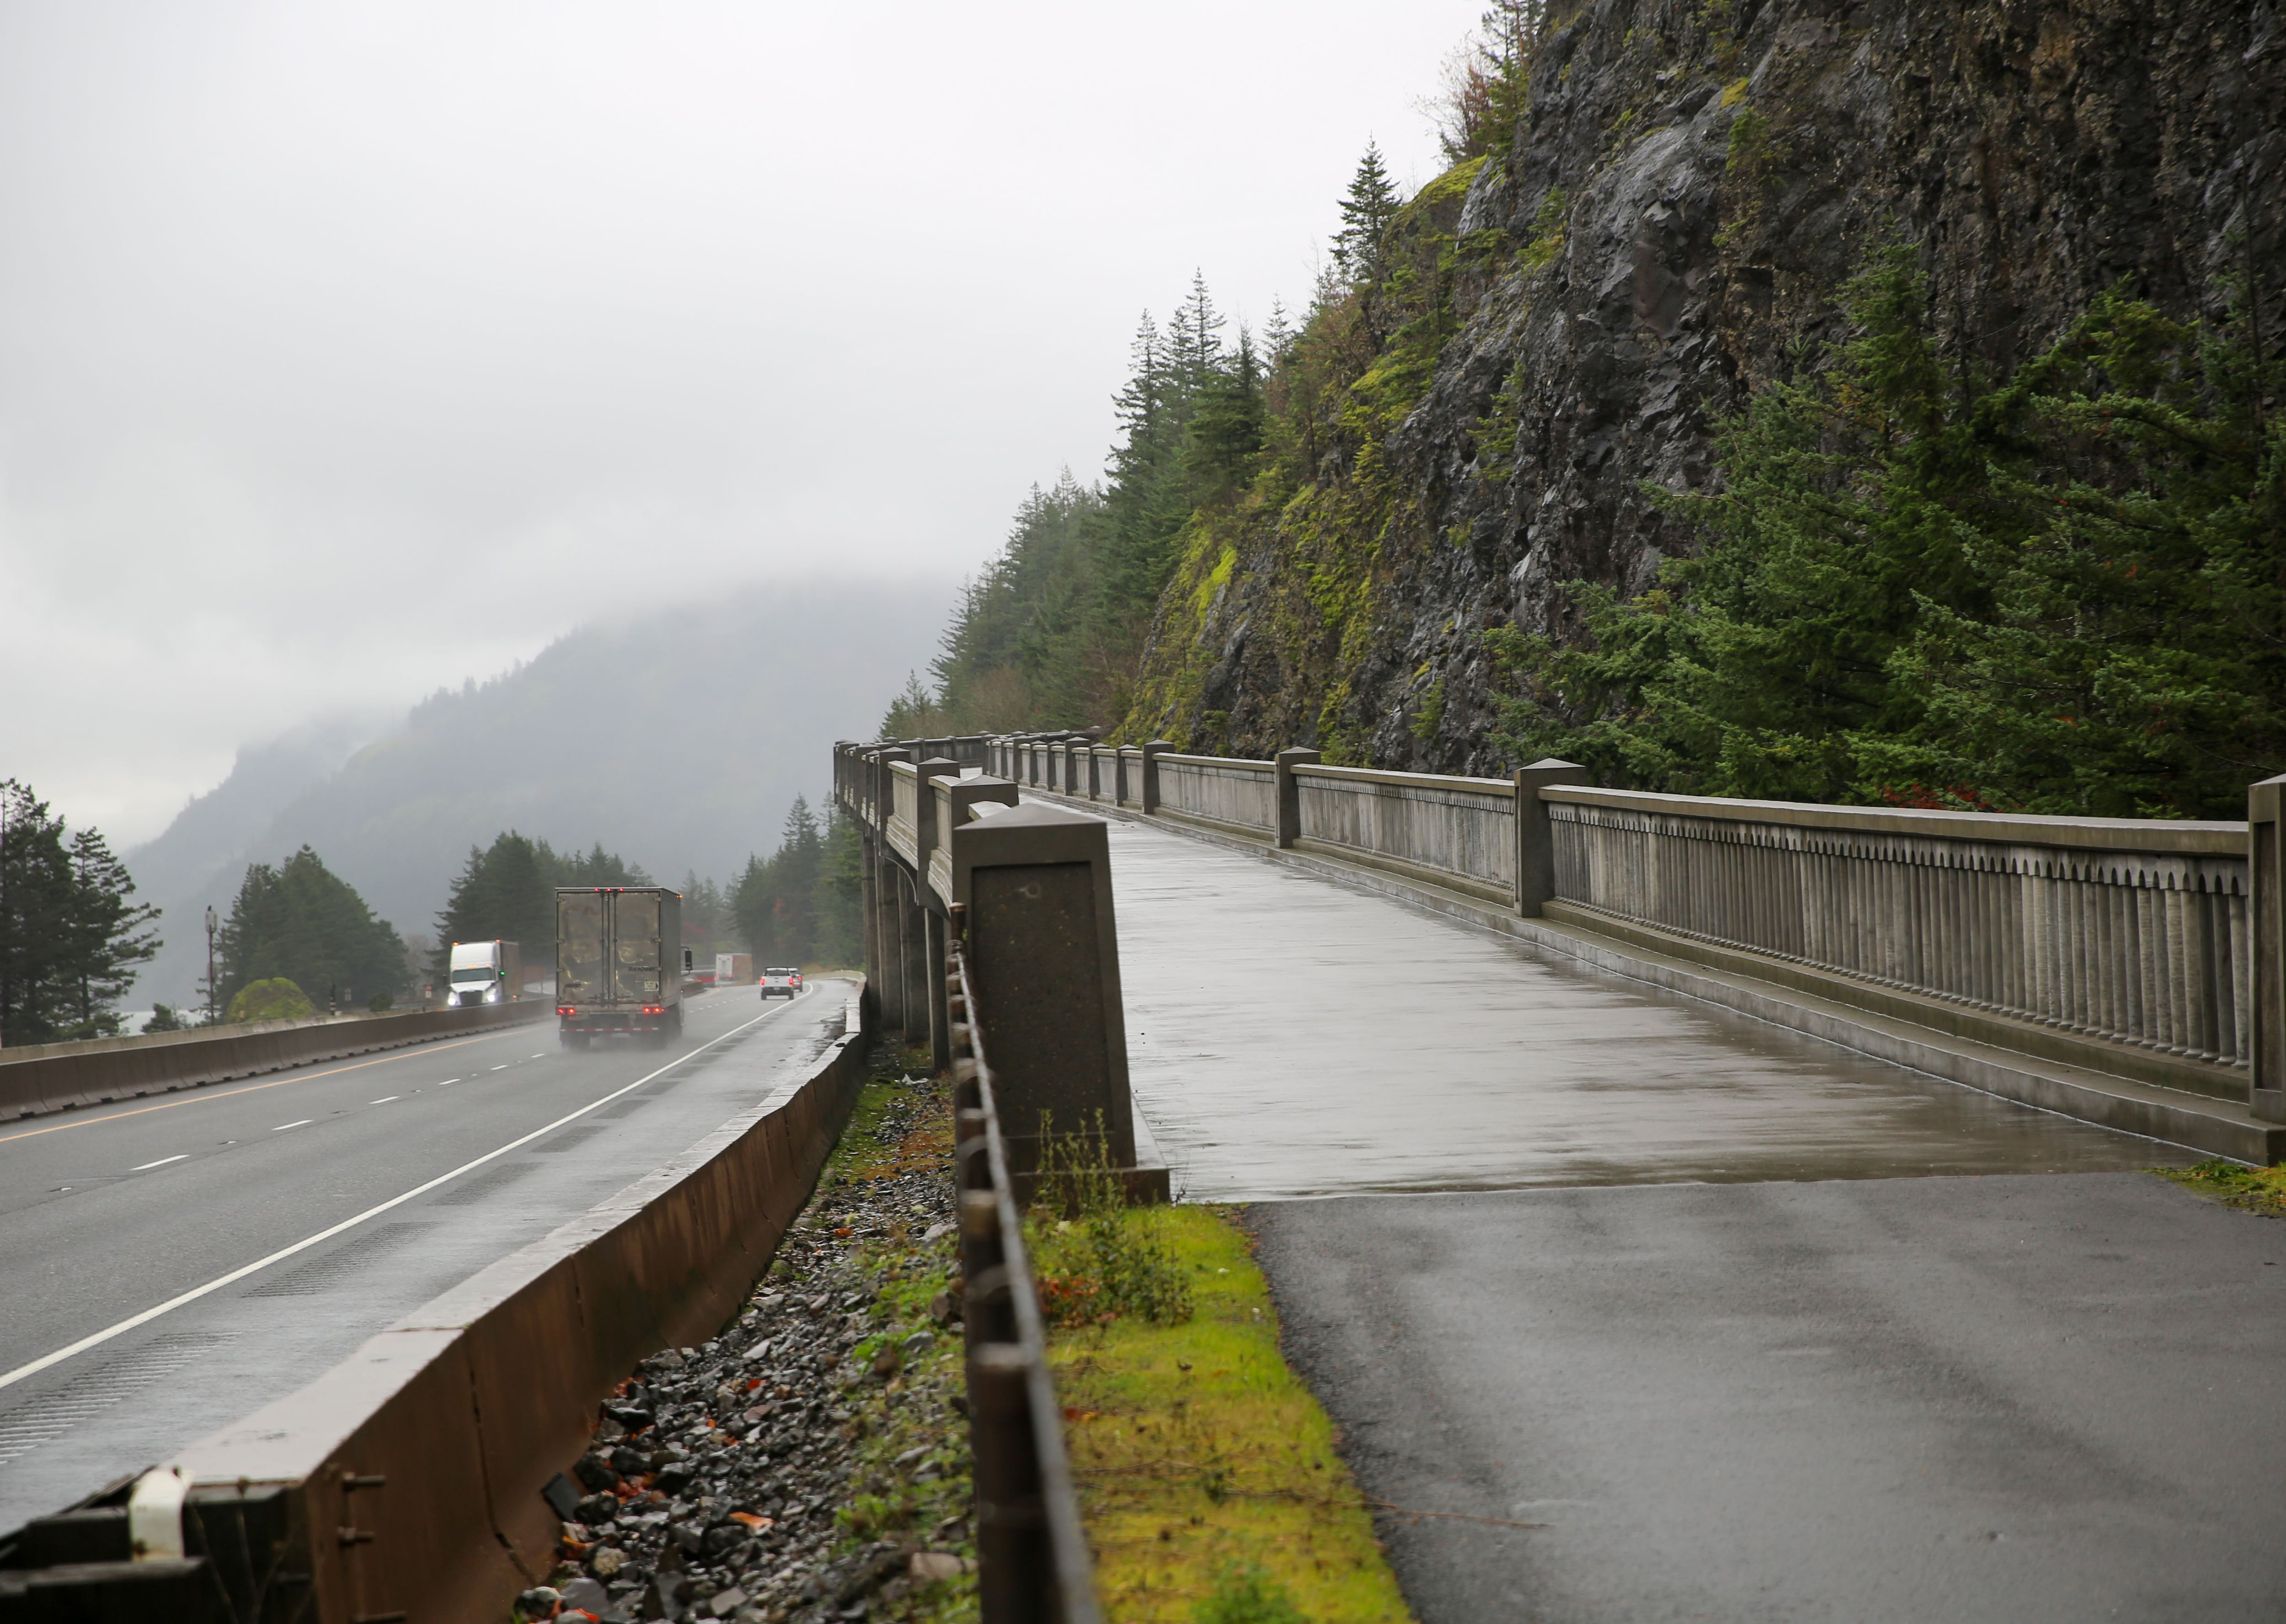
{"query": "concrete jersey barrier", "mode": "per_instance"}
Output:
(406, 1482)
(62, 1076)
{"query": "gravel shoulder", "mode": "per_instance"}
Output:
(811, 1461)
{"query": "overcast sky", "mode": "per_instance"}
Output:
(347, 350)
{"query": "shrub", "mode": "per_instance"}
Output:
(381, 1002)
(1103, 1258)
(275, 999)
(1249, 1595)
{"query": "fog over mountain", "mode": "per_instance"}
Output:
(678, 739)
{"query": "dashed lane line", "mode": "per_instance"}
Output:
(303, 1122)
(99, 1338)
(203, 1097)
(161, 1162)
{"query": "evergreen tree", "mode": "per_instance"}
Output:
(598, 866)
(505, 892)
(70, 933)
(110, 933)
(36, 1005)
(301, 922)
(777, 903)
(1367, 212)
(2062, 593)
(1225, 429)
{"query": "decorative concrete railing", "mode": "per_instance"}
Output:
(1220, 789)
(2130, 930)
(2118, 944)
(1459, 831)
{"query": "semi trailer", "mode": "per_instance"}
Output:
(619, 963)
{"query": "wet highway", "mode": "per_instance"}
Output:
(171, 1265)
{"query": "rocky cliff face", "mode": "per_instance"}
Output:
(1690, 190)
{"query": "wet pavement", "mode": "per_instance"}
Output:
(1994, 1399)
(1288, 1036)
(111, 1213)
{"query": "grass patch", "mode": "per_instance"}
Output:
(1206, 1470)
(2250, 1189)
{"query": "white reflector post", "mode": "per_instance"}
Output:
(155, 1513)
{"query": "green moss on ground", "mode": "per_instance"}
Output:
(1206, 1471)
(2250, 1189)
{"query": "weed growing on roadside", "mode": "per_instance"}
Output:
(2250, 1189)
(1246, 1595)
(1102, 1259)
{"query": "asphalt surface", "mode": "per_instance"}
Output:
(1288, 1036)
(108, 1214)
(2006, 1399)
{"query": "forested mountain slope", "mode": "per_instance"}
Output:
(1655, 214)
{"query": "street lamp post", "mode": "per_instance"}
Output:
(210, 979)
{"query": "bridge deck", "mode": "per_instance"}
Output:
(1767, 1372)
(1290, 1037)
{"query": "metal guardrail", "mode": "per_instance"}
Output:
(1032, 1556)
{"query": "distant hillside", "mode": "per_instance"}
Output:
(677, 739)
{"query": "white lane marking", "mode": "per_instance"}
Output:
(303, 1122)
(385, 1099)
(161, 1162)
(500, 1068)
(99, 1338)
(448, 1082)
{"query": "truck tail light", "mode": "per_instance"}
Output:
(565, 1009)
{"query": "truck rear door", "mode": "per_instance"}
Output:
(634, 939)
(580, 948)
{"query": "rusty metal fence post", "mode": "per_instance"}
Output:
(1032, 1558)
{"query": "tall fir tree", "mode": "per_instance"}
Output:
(302, 922)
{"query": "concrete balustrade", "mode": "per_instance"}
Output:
(2148, 949)
(2129, 931)
(1221, 790)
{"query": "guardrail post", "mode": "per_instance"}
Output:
(1289, 793)
(2266, 877)
(1152, 751)
(1535, 845)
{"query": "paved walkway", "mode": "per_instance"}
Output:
(1690, 1300)
(1288, 1036)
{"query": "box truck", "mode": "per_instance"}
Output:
(618, 962)
(733, 970)
(483, 973)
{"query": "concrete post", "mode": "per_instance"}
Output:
(914, 922)
(889, 928)
(924, 834)
(1536, 846)
(939, 1019)
(1152, 751)
(869, 909)
(1289, 793)
(2266, 875)
(1035, 885)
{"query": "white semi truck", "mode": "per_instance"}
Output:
(483, 973)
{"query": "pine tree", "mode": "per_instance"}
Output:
(36, 899)
(110, 934)
(301, 922)
(1367, 214)
(1226, 427)
(505, 892)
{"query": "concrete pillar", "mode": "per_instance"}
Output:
(912, 921)
(889, 932)
(1289, 793)
(1034, 884)
(1152, 751)
(939, 1020)
(869, 909)
(1535, 848)
(2266, 875)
